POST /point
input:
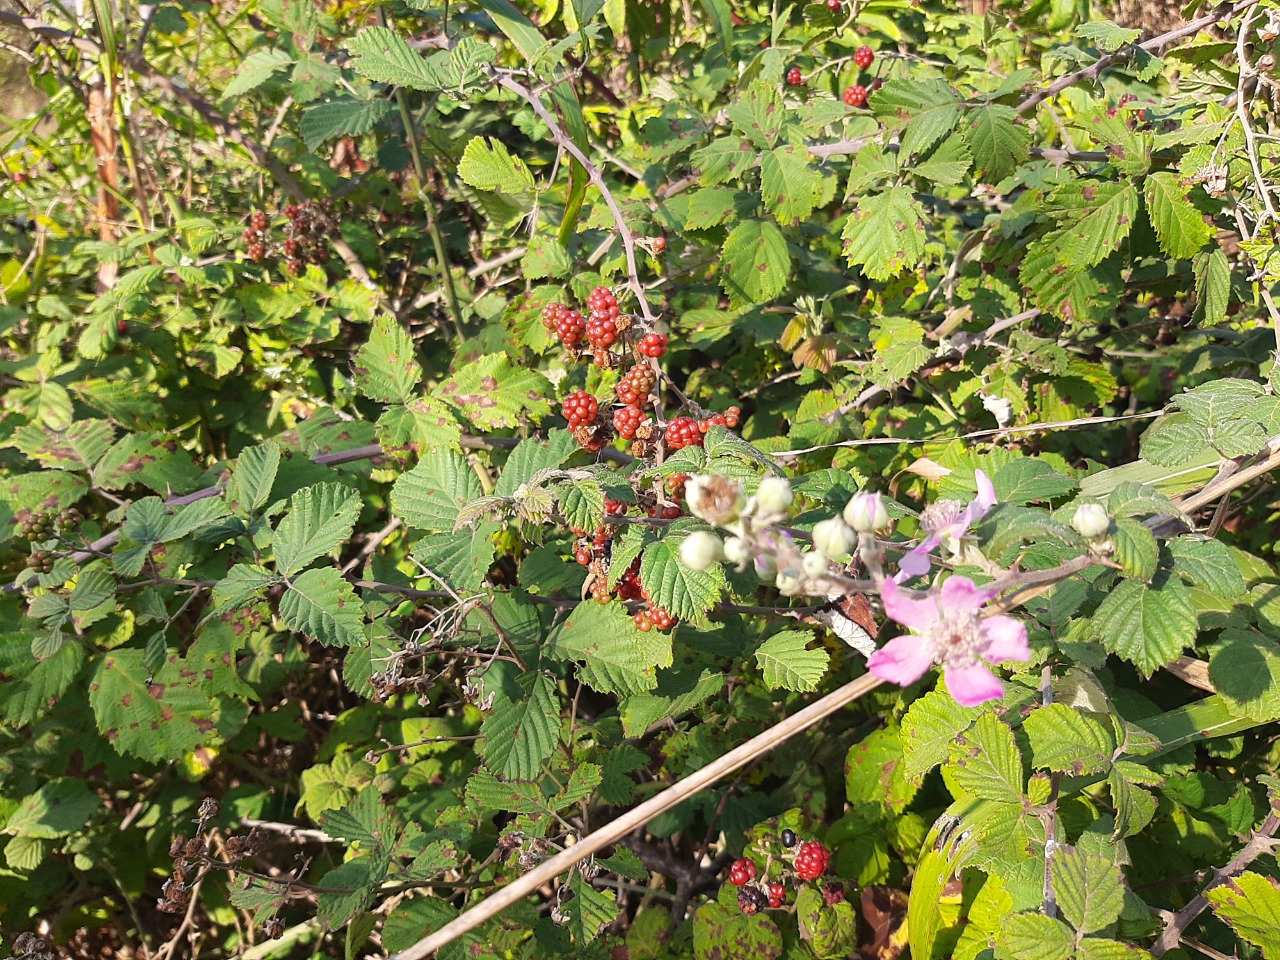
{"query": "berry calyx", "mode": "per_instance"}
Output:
(580, 408)
(812, 859)
(653, 345)
(742, 871)
(863, 57)
(794, 77)
(788, 838)
(855, 96)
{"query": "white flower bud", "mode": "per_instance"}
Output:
(717, 500)
(773, 496)
(866, 513)
(766, 567)
(833, 538)
(737, 551)
(700, 550)
(1091, 520)
(814, 564)
(790, 581)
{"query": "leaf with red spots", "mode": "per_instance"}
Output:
(493, 394)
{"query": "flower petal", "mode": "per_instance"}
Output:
(916, 563)
(1006, 639)
(986, 492)
(972, 685)
(903, 660)
(960, 594)
(919, 615)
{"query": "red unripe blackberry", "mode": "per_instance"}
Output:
(833, 6)
(580, 408)
(659, 244)
(615, 506)
(732, 417)
(583, 556)
(863, 57)
(675, 484)
(683, 432)
(292, 248)
(602, 300)
(777, 891)
(256, 251)
(259, 220)
(855, 96)
(794, 77)
(663, 620)
(602, 331)
(626, 419)
(629, 586)
(811, 860)
(742, 871)
(669, 512)
(635, 385)
(653, 345)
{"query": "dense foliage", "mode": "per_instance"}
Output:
(430, 432)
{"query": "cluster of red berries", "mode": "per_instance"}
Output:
(580, 409)
(569, 325)
(310, 226)
(1124, 101)
(651, 617)
(856, 94)
(809, 862)
(255, 235)
(794, 77)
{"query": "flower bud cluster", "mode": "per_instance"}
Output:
(754, 539)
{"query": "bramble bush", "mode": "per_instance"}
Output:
(640, 480)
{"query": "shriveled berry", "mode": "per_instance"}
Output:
(856, 95)
(742, 871)
(653, 345)
(794, 77)
(863, 57)
(751, 900)
(833, 893)
(580, 408)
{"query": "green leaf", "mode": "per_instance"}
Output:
(615, 656)
(830, 930)
(715, 206)
(341, 117)
(929, 729)
(725, 933)
(791, 186)
(320, 518)
(241, 584)
(79, 447)
(1213, 287)
(582, 503)
(686, 594)
(1067, 290)
(488, 165)
(35, 686)
(430, 495)
(59, 808)
(1219, 401)
(495, 394)
(1245, 668)
(948, 164)
(1180, 227)
(1130, 498)
(929, 108)
(1089, 890)
(885, 234)
(1106, 36)
(1033, 936)
(1134, 806)
(1147, 625)
(1136, 549)
(520, 736)
(384, 56)
(153, 459)
(787, 662)
(386, 367)
(1250, 905)
(756, 263)
(1097, 215)
(252, 478)
(1207, 563)
(724, 159)
(589, 910)
(1097, 948)
(1024, 480)
(1066, 740)
(985, 762)
(415, 919)
(323, 606)
(758, 114)
(256, 70)
(545, 258)
(998, 142)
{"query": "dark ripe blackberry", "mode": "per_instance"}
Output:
(296, 267)
(320, 256)
(752, 900)
(788, 838)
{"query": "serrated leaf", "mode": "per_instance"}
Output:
(929, 729)
(790, 185)
(722, 160)
(319, 518)
(1106, 36)
(1245, 668)
(384, 56)
(1207, 563)
(1147, 625)
(1097, 217)
(386, 366)
(488, 165)
(1099, 948)
(686, 594)
(1066, 290)
(787, 662)
(928, 109)
(520, 736)
(1134, 806)
(79, 447)
(323, 606)
(256, 70)
(430, 495)
(1213, 287)
(58, 808)
(615, 656)
(1033, 936)
(755, 263)
(462, 558)
(1130, 498)
(998, 142)
(1024, 480)
(252, 478)
(582, 503)
(714, 207)
(1250, 905)
(242, 583)
(885, 234)
(1065, 740)
(947, 164)
(1136, 549)
(1089, 890)
(495, 394)
(758, 114)
(342, 117)
(589, 910)
(985, 762)
(1219, 401)
(1179, 226)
